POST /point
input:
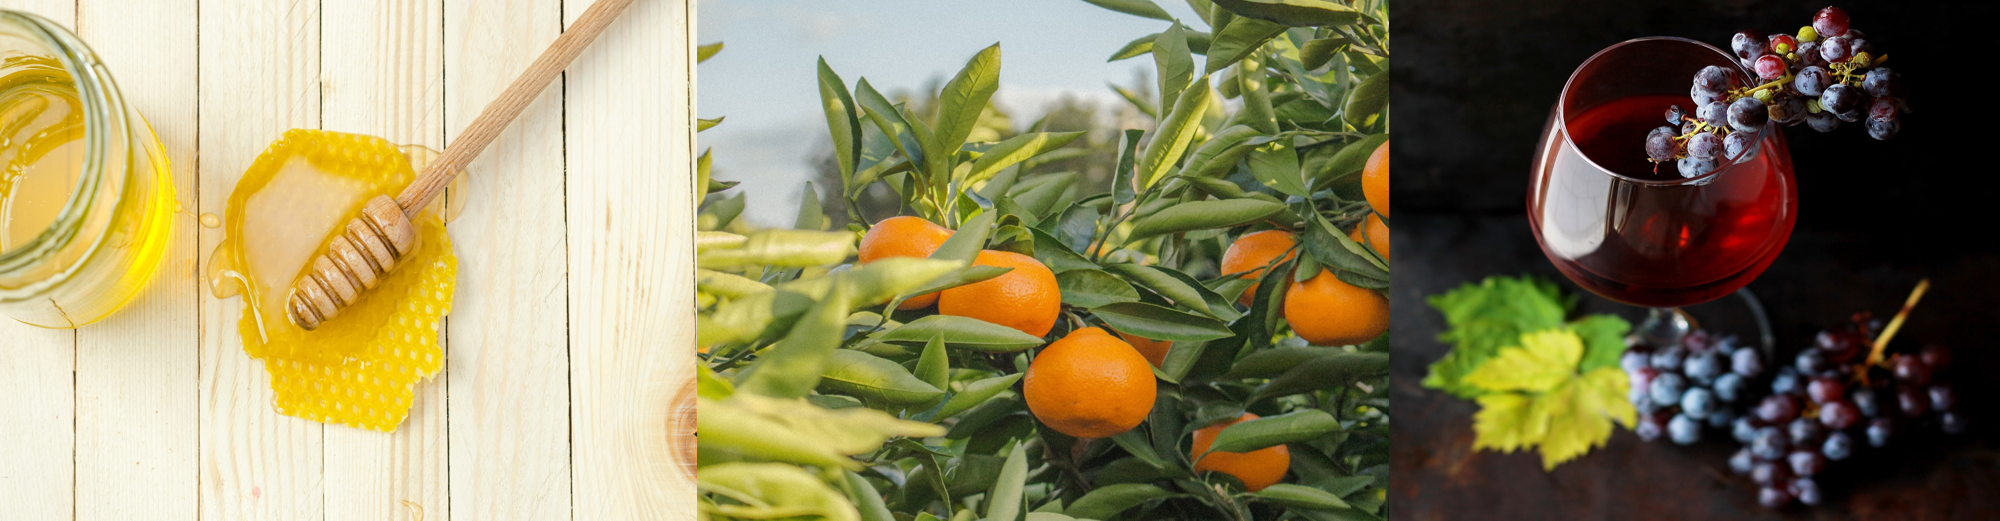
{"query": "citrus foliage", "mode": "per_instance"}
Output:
(822, 396)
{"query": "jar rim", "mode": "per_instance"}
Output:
(103, 106)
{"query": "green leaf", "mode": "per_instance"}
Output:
(1294, 427)
(705, 124)
(771, 491)
(1326, 373)
(1336, 250)
(1349, 161)
(1367, 100)
(1295, 13)
(1486, 316)
(792, 367)
(1168, 286)
(1256, 95)
(1266, 363)
(1300, 496)
(891, 122)
(1093, 288)
(959, 277)
(1603, 340)
(964, 97)
(1058, 256)
(1173, 62)
(1197, 43)
(710, 385)
(1242, 37)
(1108, 501)
(785, 248)
(1544, 360)
(1136, 100)
(1160, 323)
(1203, 215)
(1015, 150)
(1171, 138)
(866, 499)
(1316, 53)
(720, 213)
(875, 379)
(976, 393)
(794, 431)
(964, 333)
(1134, 442)
(842, 121)
(1145, 8)
(1182, 358)
(1220, 153)
(1005, 502)
(1122, 190)
(703, 53)
(1568, 421)
(1277, 166)
(810, 217)
(964, 244)
(934, 366)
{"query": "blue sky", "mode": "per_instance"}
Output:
(764, 80)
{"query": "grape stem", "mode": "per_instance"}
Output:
(1895, 324)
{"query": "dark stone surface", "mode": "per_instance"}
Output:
(1474, 81)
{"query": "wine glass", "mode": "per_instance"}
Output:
(1646, 235)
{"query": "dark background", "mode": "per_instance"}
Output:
(1474, 83)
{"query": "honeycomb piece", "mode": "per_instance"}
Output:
(359, 368)
(393, 329)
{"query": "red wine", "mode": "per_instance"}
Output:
(1641, 242)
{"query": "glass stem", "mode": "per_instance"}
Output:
(1665, 326)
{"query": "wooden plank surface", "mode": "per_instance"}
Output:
(259, 77)
(137, 425)
(569, 334)
(382, 74)
(38, 375)
(510, 441)
(631, 260)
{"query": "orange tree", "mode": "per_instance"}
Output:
(1019, 346)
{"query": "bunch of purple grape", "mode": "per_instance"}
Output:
(1814, 411)
(1825, 75)
(1698, 381)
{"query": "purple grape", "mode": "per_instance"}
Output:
(1729, 386)
(1749, 45)
(1911, 370)
(1808, 54)
(1830, 21)
(1769, 472)
(1822, 121)
(1748, 114)
(1806, 463)
(1703, 96)
(1634, 360)
(1884, 128)
(1660, 146)
(1742, 462)
(1840, 98)
(1739, 146)
(1812, 80)
(1675, 114)
(1746, 362)
(1691, 167)
(1811, 363)
(1866, 401)
(1773, 497)
(1684, 430)
(1912, 401)
(1936, 356)
(1839, 415)
(1789, 110)
(1807, 491)
(1856, 46)
(1704, 145)
(1787, 381)
(1879, 432)
(1838, 446)
(1769, 444)
(1700, 402)
(1942, 398)
(1777, 409)
(1715, 114)
(1804, 431)
(1836, 49)
(1743, 430)
(1952, 423)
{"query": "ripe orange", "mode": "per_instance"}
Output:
(1372, 232)
(1258, 469)
(1024, 299)
(904, 236)
(1375, 179)
(1089, 385)
(1252, 252)
(1155, 351)
(1325, 311)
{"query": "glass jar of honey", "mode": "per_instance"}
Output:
(86, 200)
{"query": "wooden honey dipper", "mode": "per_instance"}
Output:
(372, 244)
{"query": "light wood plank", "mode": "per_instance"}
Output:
(510, 441)
(259, 77)
(382, 74)
(631, 259)
(137, 371)
(38, 376)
